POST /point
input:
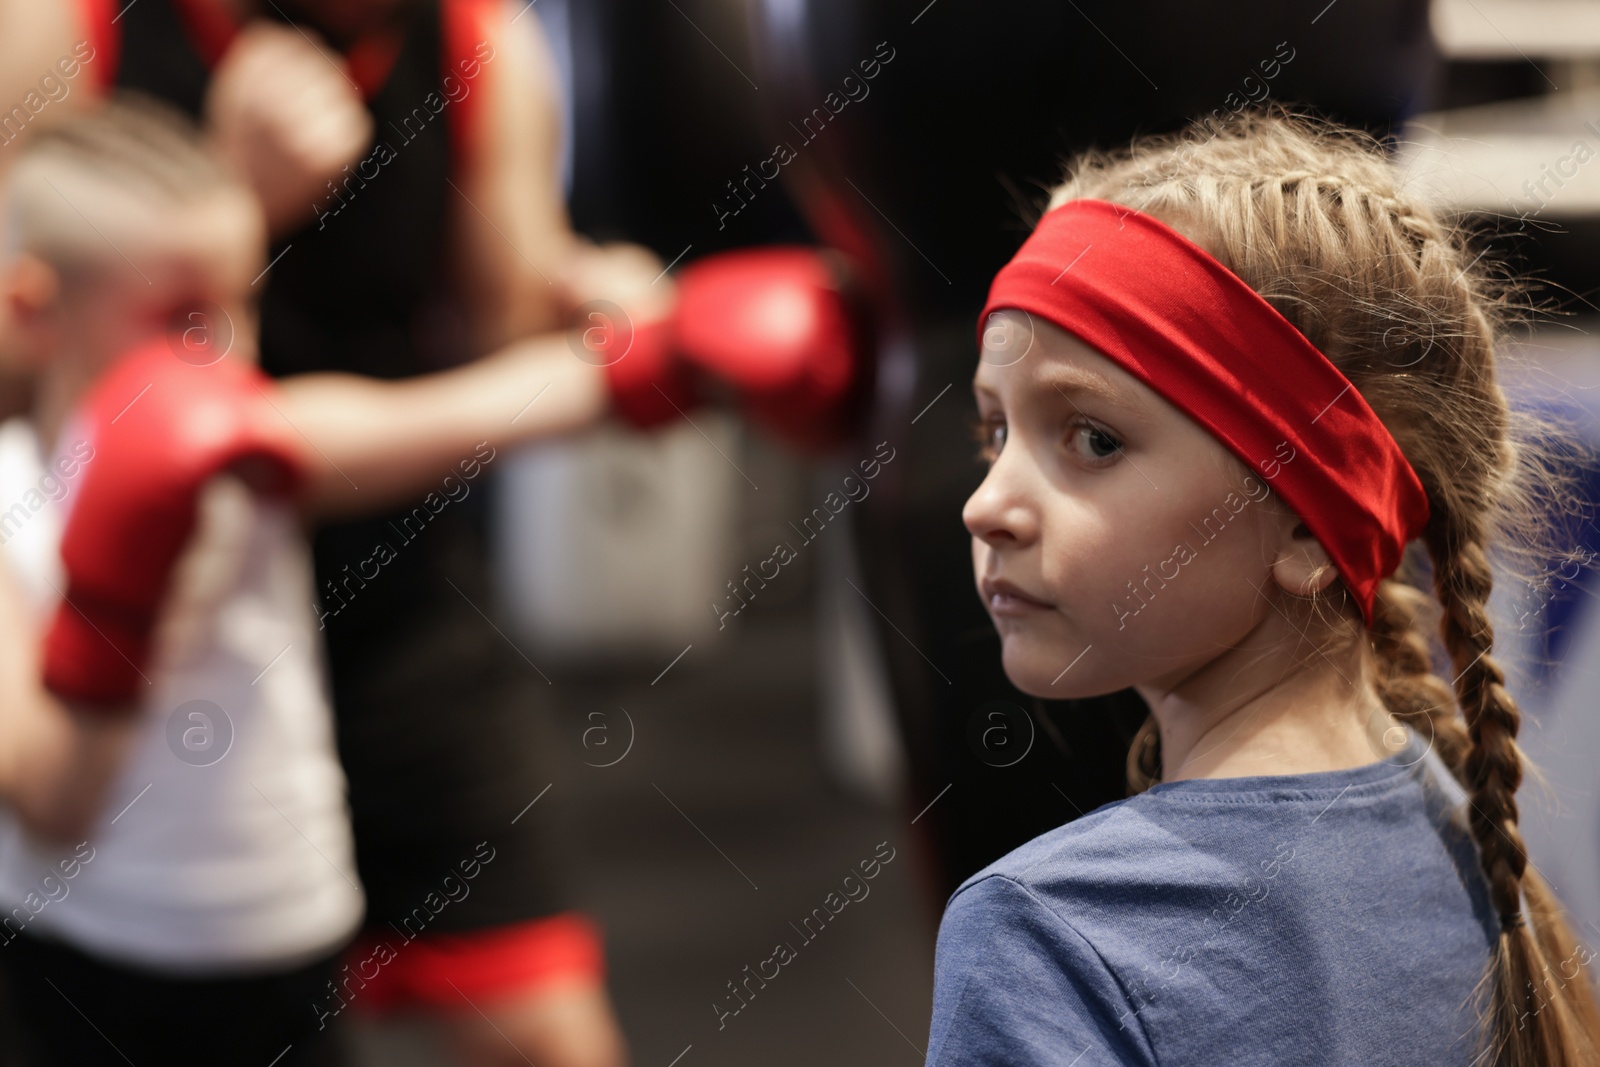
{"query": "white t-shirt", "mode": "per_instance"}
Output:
(225, 847)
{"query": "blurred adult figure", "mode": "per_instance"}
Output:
(913, 131)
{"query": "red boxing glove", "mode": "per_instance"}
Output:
(160, 427)
(772, 324)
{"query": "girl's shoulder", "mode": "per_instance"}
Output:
(1186, 844)
(1199, 911)
(1120, 850)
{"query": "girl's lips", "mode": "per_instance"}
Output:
(1003, 598)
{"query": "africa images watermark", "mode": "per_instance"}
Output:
(855, 89)
(383, 153)
(784, 553)
(1550, 583)
(52, 485)
(199, 732)
(1565, 167)
(52, 90)
(410, 528)
(1230, 907)
(454, 889)
(52, 887)
(1551, 985)
(1210, 529)
(855, 889)
(597, 740)
(1255, 89)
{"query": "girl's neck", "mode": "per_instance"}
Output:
(1271, 707)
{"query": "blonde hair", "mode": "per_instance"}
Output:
(1315, 219)
(134, 147)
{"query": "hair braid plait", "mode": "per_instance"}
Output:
(1492, 770)
(1315, 219)
(1144, 757)
(1410, 690)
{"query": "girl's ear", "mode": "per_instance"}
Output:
(1302, 566)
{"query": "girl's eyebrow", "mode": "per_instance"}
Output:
(1068, 380)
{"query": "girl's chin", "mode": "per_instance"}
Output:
(1039, 675)
(1042, 670)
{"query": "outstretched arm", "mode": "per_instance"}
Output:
(512, 240)
(376, 443)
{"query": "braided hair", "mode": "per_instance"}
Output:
(1313, 217)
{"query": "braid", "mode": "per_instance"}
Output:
(1144, 757)
(1531, 1027)
(1406, 682)
(1314, 219)
(1493, 768)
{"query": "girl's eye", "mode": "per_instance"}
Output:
(990, 436)
(1093, 444)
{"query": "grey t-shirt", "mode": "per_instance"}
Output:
(1339, 917)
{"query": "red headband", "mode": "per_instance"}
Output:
(1164, 310)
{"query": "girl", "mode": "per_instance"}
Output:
(1223, 386)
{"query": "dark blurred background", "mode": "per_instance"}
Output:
(738, 774)
(840, 709)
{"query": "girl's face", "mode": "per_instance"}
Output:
(1114, 541)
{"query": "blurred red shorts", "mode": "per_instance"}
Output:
(447, 971)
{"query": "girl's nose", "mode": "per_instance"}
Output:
(1000, 510)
